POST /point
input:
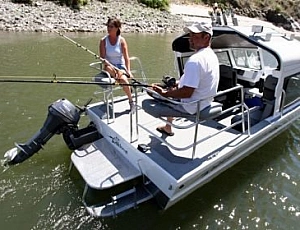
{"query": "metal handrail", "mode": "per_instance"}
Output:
(194, 143)
(136, 118)
(95, 65)
(140, 68)
(199, 120)
(282, 102)
(108, 92)
(191, 102)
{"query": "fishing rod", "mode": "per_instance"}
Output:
(39, 77)
(74, 42)
(55, 81)
(61, 77)
(84, 48)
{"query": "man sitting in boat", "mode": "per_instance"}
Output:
(200, 80)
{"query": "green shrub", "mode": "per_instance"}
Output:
(278, 8)
(73, 3)
(156, 4)
(83, 2)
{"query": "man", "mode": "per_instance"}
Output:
(200, 80)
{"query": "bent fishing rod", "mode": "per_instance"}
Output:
(84, 48)
(76, 43)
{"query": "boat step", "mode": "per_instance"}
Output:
(101, 166)
(120, 203)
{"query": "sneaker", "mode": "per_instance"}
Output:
(132, 107)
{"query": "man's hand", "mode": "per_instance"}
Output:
(159, 89)
(184, 92)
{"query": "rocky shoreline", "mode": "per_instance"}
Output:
(43, 16)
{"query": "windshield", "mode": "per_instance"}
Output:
(247, 58)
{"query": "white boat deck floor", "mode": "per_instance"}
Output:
(91, 162)
(176, 161)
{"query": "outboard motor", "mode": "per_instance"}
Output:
(63, 117)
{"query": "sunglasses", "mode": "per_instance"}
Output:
(110, 26)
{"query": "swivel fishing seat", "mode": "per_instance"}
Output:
(108, 83)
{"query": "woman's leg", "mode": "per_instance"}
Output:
(111, 71)
(121, 78)
(124, 80)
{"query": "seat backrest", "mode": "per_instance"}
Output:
(269, 95)
(269, 88)
(228, 78)
(211, 112)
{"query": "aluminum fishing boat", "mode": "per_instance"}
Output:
(124, 161)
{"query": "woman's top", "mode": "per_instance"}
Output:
(114, 52)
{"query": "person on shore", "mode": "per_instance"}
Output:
(114, 50)
(218, 13)
(215, 7)
(200, 80)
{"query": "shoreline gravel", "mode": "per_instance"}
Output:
(44, 15)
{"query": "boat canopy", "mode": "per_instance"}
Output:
(280, 46)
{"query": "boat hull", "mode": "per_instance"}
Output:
(264, 132)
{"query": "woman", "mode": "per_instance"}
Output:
(113, 49)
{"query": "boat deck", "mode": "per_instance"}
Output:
(179, 160)
(91, 162)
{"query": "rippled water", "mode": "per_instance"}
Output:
(260, 192)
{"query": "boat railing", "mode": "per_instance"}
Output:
(107, 90)
(137, 70)
(198, 119)
(283, 102)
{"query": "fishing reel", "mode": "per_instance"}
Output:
(168, 82)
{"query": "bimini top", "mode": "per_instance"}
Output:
(282, 46)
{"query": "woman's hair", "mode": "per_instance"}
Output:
(116, 22)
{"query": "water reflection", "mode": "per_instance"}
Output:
(3, 164)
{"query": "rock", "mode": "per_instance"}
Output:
(279, 20)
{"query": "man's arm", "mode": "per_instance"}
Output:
(184, 92)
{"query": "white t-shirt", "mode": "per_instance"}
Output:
(201, 72)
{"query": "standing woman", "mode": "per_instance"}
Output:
(113, 49)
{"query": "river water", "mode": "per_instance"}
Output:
(260, 192)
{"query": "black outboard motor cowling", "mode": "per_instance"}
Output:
(62, 116)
